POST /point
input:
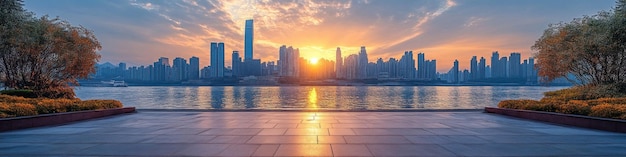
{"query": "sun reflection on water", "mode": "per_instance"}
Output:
(312, 99)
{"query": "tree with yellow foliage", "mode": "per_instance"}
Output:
(591, 48)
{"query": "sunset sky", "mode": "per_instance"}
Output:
(139, 32)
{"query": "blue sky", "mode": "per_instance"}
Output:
(138, 32)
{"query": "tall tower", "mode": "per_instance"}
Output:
(248, 41)
(217, 59)
(338, 64)
(421, 67)
(473, 68)
(455, 72)
(481, 68)
(362, 62)
(236, 63)
(514, 65)
(179, 69)
(495, 65)
(194, 68)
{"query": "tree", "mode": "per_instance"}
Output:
(591, 48)
(47, 55)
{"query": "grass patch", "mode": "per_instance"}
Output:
(605, 101)
(14, 106)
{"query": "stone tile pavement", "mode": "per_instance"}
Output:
(177, 133)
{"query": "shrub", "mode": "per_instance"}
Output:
(12, 106)
(574, 93)
(608, 111)
(21, 93)
(587, 92)
(578, 107)
(4, 108)
(17, 109)
(67, 93)
(45, 106)
(516, 104)
(95, 105)
(607, 101)
(17, 99)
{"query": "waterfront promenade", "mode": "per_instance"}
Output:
(194, 133)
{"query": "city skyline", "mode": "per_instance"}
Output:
(354, 67)
(438, 29)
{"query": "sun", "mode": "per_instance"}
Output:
(314, 60)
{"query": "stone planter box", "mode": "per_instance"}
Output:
(606, 124)
(58, 118)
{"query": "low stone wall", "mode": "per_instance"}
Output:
(58, 118)
(606, 124)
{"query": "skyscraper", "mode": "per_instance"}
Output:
(289, 61)
(455, 72)
(236, 63)
(432, 70)
(194, 68)
(473, 69)
(179, 70)
(161, 69)
(338, 64)
(495, 65)
(406, 66)
(532, 72)
(514, 65)
(362, 64)
(352, 66)
(393, 67)
(421, 66)
(248, 41)
(217, 59)
(503, 67)
(481, 68)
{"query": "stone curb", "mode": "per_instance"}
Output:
(58, 118)
(606, 124)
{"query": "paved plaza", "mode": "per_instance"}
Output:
(185, 133)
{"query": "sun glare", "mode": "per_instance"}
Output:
(313, 60)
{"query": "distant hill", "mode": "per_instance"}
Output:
(106, 65)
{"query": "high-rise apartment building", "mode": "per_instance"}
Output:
(352, 66)
(217, 60)
(406, 66)
(431, 70)
(495, 65)
(421, 66)
(503, 67)
(289, 61)
(338, 64)
(473, 73)
(362, 64)
(514, 65)
(194, 68)
(236, 63)
(481, 68)
(179, 69)
(455, 72)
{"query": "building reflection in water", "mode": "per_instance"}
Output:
(249, 97)
(217, 97)
(407, 97)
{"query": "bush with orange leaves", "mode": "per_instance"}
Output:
(13, 106)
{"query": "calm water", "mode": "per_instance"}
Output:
(312, 97)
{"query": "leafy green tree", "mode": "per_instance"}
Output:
(45, 55)
(591, 48)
